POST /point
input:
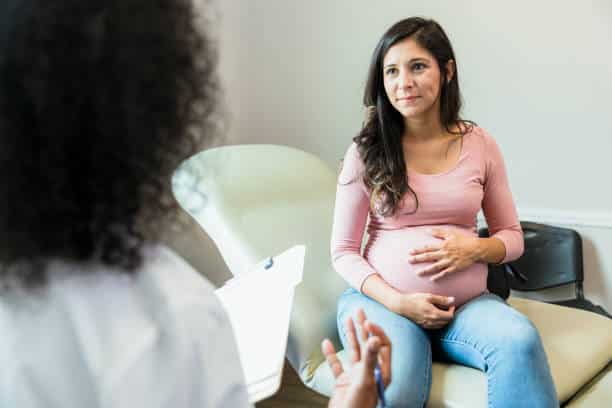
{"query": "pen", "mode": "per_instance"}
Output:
(380, 387)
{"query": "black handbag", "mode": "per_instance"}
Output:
(497, 282)
(497, 278)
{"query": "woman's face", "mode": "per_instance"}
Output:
(412, 79)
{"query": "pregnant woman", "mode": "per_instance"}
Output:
(417, 175)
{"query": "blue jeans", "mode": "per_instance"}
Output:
(485, 334)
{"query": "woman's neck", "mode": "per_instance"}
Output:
(423, 129)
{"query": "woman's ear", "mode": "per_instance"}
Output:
(450, 70)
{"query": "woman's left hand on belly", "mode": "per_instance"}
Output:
(455, 252)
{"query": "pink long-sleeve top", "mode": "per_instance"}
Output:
(450, 199)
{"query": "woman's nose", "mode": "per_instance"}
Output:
(405, 80)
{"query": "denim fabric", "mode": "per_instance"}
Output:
(485, 334)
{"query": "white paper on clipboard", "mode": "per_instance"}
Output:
(259, 307)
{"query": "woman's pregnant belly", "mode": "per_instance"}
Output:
(388, 252)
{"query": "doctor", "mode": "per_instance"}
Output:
(99, 102)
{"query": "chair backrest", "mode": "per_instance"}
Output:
(552, 257)
(258, 200)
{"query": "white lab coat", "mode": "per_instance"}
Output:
(92, 337)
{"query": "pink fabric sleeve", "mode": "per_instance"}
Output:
(350, 218)
(497, 204)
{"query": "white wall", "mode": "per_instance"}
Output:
(536, 74)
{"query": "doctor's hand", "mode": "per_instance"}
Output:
(425, 309)
(456, 251)
(356, 385)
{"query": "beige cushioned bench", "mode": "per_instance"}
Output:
(598, 393)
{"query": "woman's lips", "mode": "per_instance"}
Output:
(407, 99)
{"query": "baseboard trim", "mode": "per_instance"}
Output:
(589, 219)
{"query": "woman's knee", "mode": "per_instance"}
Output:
(522, 338)
(506, 327)
(527, 340)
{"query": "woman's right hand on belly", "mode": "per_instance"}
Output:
(425, 309)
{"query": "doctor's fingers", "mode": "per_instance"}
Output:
(384, 353)
(332, 359)
(351, 337)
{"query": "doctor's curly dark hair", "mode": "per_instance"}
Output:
(100, 100)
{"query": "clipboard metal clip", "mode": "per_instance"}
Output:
(268, 263)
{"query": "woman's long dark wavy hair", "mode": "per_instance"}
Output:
(380, 140)
(100, 100)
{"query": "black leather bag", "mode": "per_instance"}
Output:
(497, 281)
(497, 278)
(502, 278)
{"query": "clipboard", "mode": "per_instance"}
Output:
(259, 305)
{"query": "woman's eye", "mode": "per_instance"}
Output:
(390, 71)
(419, 66)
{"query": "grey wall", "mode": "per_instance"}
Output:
(536, 74)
